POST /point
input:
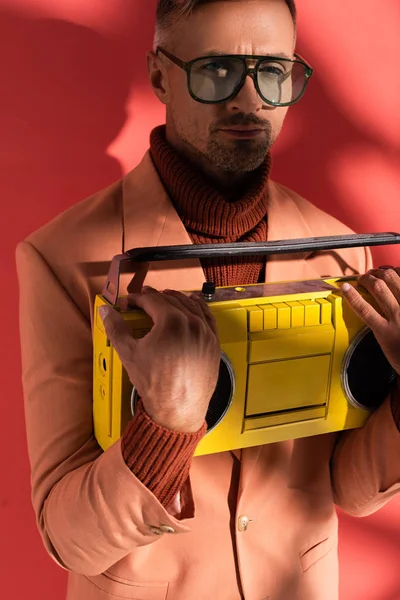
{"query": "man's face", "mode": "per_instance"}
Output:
(252, 27)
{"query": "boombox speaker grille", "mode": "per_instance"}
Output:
(223, 394)
(221, 399)
(367, 376)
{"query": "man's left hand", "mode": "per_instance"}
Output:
(384, 286)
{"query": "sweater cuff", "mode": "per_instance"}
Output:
(395, 403)
(158, 457)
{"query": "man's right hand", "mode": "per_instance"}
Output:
(175, 366)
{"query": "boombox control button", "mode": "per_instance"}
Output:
(208, 290)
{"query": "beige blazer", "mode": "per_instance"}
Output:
(94, 516)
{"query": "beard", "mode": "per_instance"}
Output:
(235, 155)
(238, 156)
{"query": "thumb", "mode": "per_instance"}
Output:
(118, 332)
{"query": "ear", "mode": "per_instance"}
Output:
(158, 76)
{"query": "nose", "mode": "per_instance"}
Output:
(247, 99)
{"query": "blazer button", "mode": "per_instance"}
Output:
(243, 523)
(156, 530)
(167, 529)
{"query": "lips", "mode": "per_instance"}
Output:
(243, 132)
(244, 129)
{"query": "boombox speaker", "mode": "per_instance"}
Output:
(295, 359)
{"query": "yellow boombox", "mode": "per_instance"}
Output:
(295, 362)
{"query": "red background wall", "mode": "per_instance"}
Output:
(75, 114)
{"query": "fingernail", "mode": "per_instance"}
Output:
(103, 311)
(346, 287)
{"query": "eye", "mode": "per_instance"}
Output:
(215, 67)
(273, 70)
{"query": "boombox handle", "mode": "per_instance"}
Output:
(313, 244)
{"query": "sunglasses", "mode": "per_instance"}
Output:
(216, 79)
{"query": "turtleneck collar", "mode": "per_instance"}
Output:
(203, 209)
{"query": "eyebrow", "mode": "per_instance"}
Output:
(276, 54)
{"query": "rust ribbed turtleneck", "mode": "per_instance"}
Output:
(210, 217)
(160, 458)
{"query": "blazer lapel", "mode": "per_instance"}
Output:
(285, 221)
(151, 220)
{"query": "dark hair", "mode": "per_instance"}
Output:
(170, 12)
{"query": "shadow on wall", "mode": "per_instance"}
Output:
(63, 96)
(63, 100)
(327, 156)
(369, 555)
(324, 132)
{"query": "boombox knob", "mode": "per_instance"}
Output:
(208, 290)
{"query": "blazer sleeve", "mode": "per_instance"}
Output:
(90, 509)
(365, 464)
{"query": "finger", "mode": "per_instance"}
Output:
(206, 312)
(183, 302)
(153, 302)
(143, 290)
(136, 283)
(378, 283)
(362, 308)
(391, 277)
(386, 267)
(195, 303)
(189, 305)
(118, 332)
(123, 304)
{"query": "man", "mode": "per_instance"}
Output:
(143, 520)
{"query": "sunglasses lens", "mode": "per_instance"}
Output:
(215, 79)
(281, 82)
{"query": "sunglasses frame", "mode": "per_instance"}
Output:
(252, 71)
